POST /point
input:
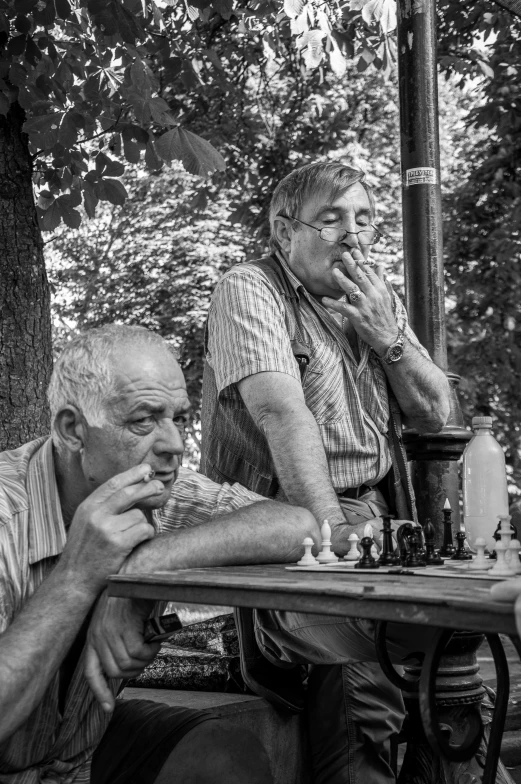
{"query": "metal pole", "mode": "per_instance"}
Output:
(420, 154)
(434, 454)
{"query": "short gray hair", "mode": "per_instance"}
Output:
(83, 375)
(331, 177)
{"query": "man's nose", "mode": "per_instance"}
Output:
(351, 241)
(169, 440)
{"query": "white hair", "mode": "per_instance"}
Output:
(83, 375)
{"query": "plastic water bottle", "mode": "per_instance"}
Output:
(485, 494)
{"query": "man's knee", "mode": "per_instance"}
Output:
(217, 752)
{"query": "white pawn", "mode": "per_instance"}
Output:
(501, 568)
(481, 562)
(325, 555)
(308, 559)
(506, 535)
(515, 563)
(354, 553)
(368, 531)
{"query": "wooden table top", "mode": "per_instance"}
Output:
(449, 602)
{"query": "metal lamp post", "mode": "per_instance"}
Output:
(434, 454)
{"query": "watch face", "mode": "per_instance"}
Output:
(395, 353)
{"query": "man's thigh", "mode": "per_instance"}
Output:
(321, 639)
(139, 739)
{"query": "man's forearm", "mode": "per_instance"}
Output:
(34, 646)
(421, 388)
(264, 532)
(300, 461)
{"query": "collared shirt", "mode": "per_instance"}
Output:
(49, 747)
(248, 334)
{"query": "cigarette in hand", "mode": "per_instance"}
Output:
(148, 477)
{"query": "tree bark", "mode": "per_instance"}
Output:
(25, 319)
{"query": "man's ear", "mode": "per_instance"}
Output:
(283, 232)
(69, 427)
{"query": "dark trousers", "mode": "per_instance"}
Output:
(353, 711)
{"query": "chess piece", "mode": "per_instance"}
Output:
(432, 556)
(414, 560)
(418, 533)
(497, 533)
(480, 563)
(354, 553)
(514, 562)
(506, 534)
(367, 561)
(325, 555)
(447, 549)
(501, 568)
(368, 531)
(403, 535)
(461, 554)
(388, 556)
(308, 559)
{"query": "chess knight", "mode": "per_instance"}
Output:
(311, 366)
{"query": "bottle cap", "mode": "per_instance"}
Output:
(481, 421)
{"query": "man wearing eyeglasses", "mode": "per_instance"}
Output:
(302, 350)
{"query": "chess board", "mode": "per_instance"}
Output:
(448, 569)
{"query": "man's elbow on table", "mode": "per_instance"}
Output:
(299, 524)
(432, 415)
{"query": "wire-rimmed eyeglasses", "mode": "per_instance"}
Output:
(367, 236)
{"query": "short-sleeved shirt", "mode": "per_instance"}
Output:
(51, 747)
(248, 334)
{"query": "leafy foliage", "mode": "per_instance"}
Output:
(81, 72)
(484, 252)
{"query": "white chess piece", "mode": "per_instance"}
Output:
(506, 535)
(308, 559)
(368, 531)
(481, 562)
(325, 555)
(501, 568)
(515, 563)
(354, 552)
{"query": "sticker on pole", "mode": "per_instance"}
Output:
(421, 176)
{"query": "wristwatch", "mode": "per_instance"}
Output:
(395, 350)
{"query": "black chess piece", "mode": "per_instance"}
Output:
(432, 556)
(388, 557)
(422, 552)
(403, 535)
(447, 549)
(366, 560)
(461, 554)
(415, 561)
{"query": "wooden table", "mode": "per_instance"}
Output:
(447, 602)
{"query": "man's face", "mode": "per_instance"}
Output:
(310, 258)
(146, 421)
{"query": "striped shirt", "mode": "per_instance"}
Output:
(49, 747)
(248, 334)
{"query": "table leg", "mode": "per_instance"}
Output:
(451, 737)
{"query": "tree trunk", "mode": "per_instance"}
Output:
(25, 319)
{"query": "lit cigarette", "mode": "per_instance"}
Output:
(149, 476)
